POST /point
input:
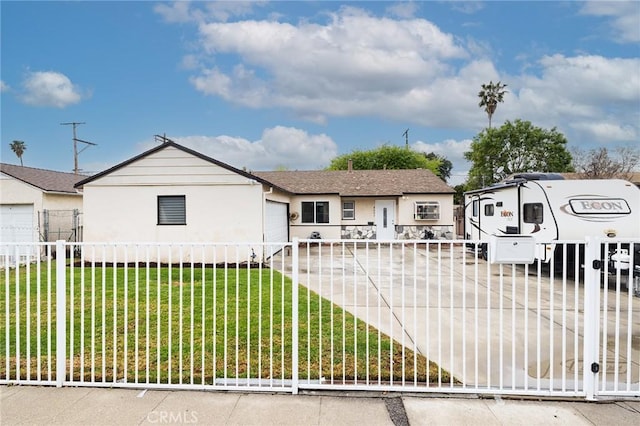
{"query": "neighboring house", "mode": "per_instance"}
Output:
(38, 205)
(171, 193)
(367, 204)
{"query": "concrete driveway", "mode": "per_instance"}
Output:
(491, 326)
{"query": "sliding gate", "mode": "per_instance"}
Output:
(414, 316)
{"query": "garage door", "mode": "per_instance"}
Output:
(16, 226)
(276, 229)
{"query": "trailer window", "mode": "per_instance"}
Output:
(488, 210)
(474, 207)
(533, 213)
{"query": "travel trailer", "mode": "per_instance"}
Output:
(550, 208)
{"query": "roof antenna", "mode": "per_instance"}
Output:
(75, 144)
(162, 139)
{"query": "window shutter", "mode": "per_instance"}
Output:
(171, 210)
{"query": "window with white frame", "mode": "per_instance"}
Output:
(172, 210)
(315, 212)
(427, 210)
(348, 210)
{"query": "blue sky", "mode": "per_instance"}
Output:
(265, 85)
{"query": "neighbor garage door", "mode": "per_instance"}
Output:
(16, 223)
(16, 226)
(276, 229)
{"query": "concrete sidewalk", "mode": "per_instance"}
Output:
(33, 405)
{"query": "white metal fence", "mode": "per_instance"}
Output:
(418, 316)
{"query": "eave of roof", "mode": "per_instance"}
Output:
(49, 181)
(359, 183)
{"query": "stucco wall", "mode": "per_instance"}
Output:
(363, 226)
(62, 202)
(221, 205)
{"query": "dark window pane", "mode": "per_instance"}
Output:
(307, 212)
(533, 213)
(322, 212)
(171, 210)
(488, 210)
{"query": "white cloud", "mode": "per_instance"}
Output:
(279, 146)
(178, 12)
(467, 7)
(50, 89)
(352, 65)
(355, 64)
(185, 11)
(625, 18)
(405, 9)
(572, 91)
(453, 151)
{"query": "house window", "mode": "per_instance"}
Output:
(533, 213)
(427, 210)
(488, 210)
(172, 210)
(348, 210)
(315, 212)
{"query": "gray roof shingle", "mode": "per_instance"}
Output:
(46, 180)
(358, 183)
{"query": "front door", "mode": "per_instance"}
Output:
(385, 219)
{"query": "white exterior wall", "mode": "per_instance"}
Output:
(62, 201)
(406, 209)
(365, 211)
(221, 206)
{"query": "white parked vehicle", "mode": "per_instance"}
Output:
(550, 208)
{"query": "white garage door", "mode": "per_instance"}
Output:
(276, 229)
(16, 226)
(16, 223)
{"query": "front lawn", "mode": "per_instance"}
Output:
(175, 327)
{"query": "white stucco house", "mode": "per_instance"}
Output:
(171, 193)
(38, 205)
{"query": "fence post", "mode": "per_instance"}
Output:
(295, 326)
(592, 273)
(61, 312)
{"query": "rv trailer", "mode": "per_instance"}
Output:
(550, 208)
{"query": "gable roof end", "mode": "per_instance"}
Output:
(170, 143)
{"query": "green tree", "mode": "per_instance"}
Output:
(444, 169)
(385, 157)
(515, 148)
(18, 147)
(490, 96)
(458, 197)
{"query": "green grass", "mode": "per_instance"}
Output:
(173, 327)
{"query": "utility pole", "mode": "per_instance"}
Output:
(75, 144)
(406, 138)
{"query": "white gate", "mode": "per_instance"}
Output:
(416, 316)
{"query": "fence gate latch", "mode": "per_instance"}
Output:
(595, 367)
(597, 264)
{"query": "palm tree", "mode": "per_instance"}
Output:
(18, 147)
(490, 95)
